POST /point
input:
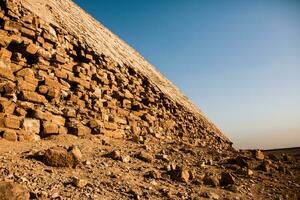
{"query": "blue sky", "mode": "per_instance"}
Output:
(238, 60)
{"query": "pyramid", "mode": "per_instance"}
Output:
(64, 72)
(85, 116)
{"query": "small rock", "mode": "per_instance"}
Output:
(115, 154)
(87, 162)
(137, 139)
(144, 156)
(211, 195)
(287, 158)
(171, 167)
(152, 174)
(259, 155)
(10, 135)
(13, 191)
(135, 194)
(163, 157)
(264, 166)
(125, 159)
(180, 174)
(233, 188)
(241, 161)
(75, 151)
(245, 171)
(209, 161)
(227, 179)
(211, 180)
(79, 182)
(60, 157)
(55, 195)
(184, 175)
(202, 165)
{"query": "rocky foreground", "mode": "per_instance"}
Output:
(99, 167)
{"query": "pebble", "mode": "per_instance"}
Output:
(227, 179)
(79, 182)
(144, 156)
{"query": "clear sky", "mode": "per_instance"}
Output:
(238, 60)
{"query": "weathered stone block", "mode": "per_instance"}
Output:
(61, 73)
(110, 125)
(52, 83)
(7, 106)
(24, 85)
(33, 97)
(11, 121)
(77, 101)
(4, 40)
(79, 130)
(32, 49)
(47, 116)
(12, 26)
(43, 89)
(26, 72)
(121, 120)
(25, 136)
(53, 93)
(95, 123)
(5, 71)
(5, 54)
(10, 135)
(50, 128)
(58, 58)
(122, 112)
(128, 94)
(28, 33)
(69, 112)
(27, 19)
(31, 126)
(126, 104)
(117, 134)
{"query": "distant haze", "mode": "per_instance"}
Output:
(239, 61)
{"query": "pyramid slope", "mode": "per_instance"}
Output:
(70, 17)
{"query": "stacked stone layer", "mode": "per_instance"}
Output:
(51, 83)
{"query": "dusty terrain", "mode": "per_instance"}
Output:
(105, 175)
